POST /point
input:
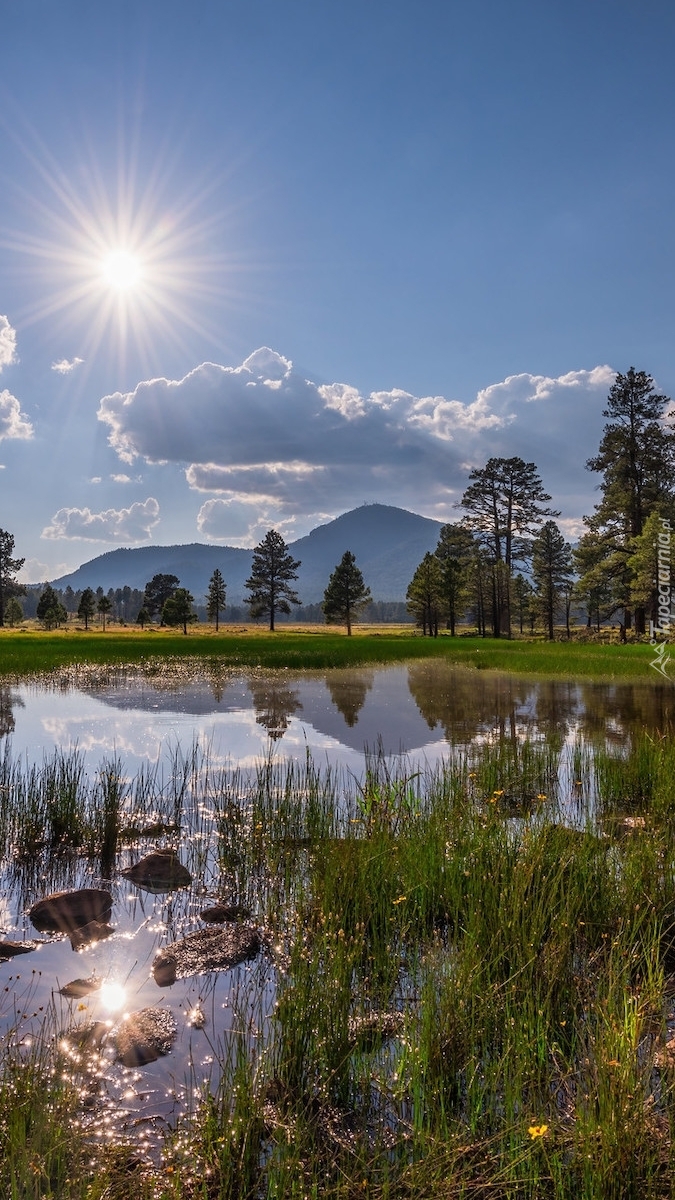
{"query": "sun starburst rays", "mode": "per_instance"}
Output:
(124, 264)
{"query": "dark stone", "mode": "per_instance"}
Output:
(11, 949)
(62, 912)
(94, 931)
(145, 1035)
(206, 950)
(220, 913)
(77, 988)
(88, 1037)
(160, 871)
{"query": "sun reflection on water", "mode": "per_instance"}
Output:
(113, 996)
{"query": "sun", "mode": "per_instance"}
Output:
(131, 260)
(121, 269)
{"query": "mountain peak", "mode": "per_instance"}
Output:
(388, 543)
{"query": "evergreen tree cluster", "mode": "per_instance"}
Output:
(613, 572)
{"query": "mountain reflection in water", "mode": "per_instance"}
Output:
(420, 708)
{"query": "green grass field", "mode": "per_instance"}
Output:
(28, 652)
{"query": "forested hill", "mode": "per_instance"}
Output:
(388, 542)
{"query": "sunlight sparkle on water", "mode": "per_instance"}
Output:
(112, 996)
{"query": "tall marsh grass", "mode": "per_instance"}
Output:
(473, 993)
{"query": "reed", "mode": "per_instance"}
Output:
(472, 998)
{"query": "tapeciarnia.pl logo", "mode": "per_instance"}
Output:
(661, 653)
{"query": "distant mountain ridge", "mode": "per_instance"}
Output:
(388, 543)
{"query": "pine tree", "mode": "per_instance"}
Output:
(87, 606)
(522, 595)
(157, 591)
(103, 607)
(506, 503)
(651, 568)
(346, 593)
(9, 568)
(454, 551)
(50, 609)
(636, 458)
(13, 612)
(272, 570)
(552, 570)
(177, 609)
(423, 598)
(215, 597)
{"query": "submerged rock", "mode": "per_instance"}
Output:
(11, 949)
(77, 988)
(206, 950)
(63, 912)
(144, 1036)
(218, 914)
(93, 931)
(86, 1037)
(159, 871)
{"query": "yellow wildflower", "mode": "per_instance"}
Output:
(537, 1131)
(399, 900)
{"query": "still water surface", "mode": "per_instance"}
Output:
(420, 709)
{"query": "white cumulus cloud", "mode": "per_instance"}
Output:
(63, 366)
(7, 343)
(133, 524)
(262, 433)
(13, 423)
(35, 571)
(240, 520)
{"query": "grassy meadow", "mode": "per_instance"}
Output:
(31, 651)
(474, 982)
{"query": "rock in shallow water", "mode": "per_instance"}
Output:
(94, 931)
(145, 1035)
(77, 988)
(219, 914)
(206, 950)
(62, 912)
(160, 871)
(11, 949)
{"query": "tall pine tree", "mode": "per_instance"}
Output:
(636, 459)
(346, 593)
(272, 570)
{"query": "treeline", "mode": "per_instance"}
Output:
(127, 602)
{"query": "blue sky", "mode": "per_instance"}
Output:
(406, 236)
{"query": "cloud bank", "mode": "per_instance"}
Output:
(133, 524)
(274, 446)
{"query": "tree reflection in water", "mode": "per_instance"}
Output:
(348, 691)
(274, 703)
(467, 705)
(8, 702)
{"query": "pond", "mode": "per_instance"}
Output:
(197, 739)
(419, 709)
